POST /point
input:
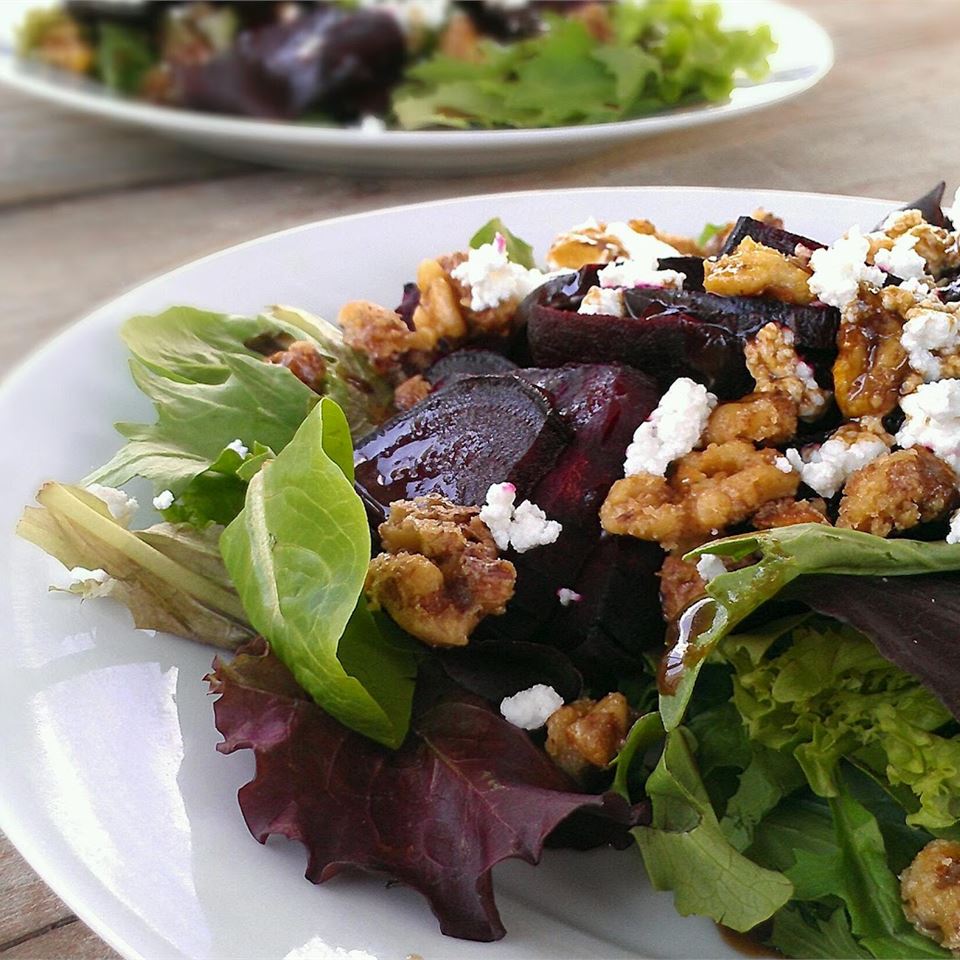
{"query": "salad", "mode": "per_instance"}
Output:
(405, 64)
(655, 545)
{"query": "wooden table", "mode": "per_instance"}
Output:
(88, 210)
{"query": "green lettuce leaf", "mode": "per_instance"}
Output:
(298, 553)
(206, 376)
(171, 578)
(685, 850)
(519, 251)
(661, 53)
(829, 695)
(124, 55)
(805, 933)
(783, 555)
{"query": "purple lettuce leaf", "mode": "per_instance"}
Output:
(913, 621)
(465, 791)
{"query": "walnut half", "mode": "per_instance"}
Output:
(439, 574)
(588, 733)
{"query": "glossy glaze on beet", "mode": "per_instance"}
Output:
(458, 441)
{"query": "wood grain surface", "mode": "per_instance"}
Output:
(88, 210)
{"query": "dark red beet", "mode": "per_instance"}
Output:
(460, 440)
(620, 615)
(409, 303)
(666, 345)
(329, 59)
(815, 327)
(604, 404)
(690, 267)
(467, 363)
(774, 237)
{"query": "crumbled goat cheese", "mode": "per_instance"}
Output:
(839, 269)
(710, 566)
(122, 508)
(83, 575)
(493, 278)
(919, 288)
(239, 448)
(933, 420)
(413, 14)
(954, 535)
(902, 261)
(530, 709)
(603, 301)
(927, 333)
(783, 465)
(318, 949)
(163, 500)
(639, 273)
(566, 596)
(672, 430)
(639, 246)
(523, 527)
(369, 123)
(827, 468)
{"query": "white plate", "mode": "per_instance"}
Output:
(804, 57)
(110, 783)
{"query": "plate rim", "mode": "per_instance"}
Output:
(40, 83)
(31, 848)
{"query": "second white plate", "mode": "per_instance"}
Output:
(803, 58)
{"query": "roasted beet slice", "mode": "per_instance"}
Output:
(459, 441)
(690, 267)
(666, 345)
(603, 404)
(499, 668)
(334, 60)
(774, 237)
(931, 206)
(815, 327)
(619, 616)
(467, 363)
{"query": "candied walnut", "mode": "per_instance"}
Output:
(897, 491)
(304, 361)
(596, 18)
(680, 585)
(439, 574)
(759, 417)
(588, 733)
(787, 513)
(871, 363)
(376, 331)
(438, 315)
(592, 243)
(754, 270)
(930, 891)
(774, 364)
(460, 39)
(411, 392)
(62, 45)
(937, 246)
(494, 320)
(708, 491)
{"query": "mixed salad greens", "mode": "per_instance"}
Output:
(791, 752)
(410, 64)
